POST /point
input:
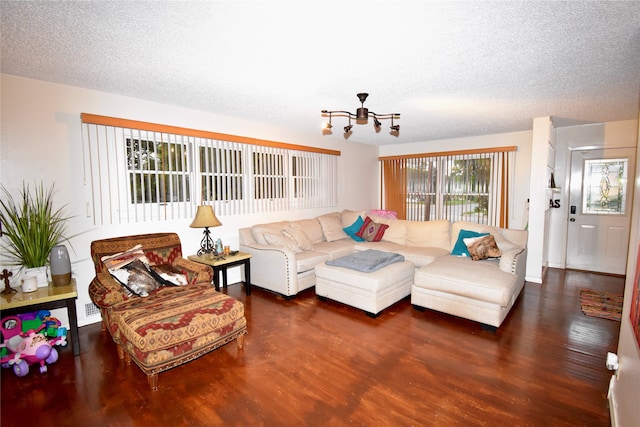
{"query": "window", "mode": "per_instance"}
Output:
(222, 173)
(469, 186)
(157, 170)
(140, 171)
(269, 176)
(604, 184)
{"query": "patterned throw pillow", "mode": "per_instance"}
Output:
(372, 231)
(482, 247)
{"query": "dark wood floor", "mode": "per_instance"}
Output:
(311, 362)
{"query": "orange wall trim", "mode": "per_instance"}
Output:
(452, 153)
(154, 127)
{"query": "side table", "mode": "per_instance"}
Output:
(45, 298)
(221, 263)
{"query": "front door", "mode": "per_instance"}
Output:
(600, 209)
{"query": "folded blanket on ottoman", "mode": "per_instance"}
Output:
(366, 261)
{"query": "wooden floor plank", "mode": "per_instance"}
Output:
(310, 362)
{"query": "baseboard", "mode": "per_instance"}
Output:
(611, 396)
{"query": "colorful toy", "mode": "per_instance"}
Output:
(22, 348)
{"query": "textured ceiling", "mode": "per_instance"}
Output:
(452, 69)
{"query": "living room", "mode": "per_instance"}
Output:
(42, 140)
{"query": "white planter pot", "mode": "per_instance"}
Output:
(40, 274)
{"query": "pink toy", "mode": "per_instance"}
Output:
(27, 348)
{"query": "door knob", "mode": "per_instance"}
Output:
(572, 219)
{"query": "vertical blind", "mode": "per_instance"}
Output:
(139, 171)
(471, 185)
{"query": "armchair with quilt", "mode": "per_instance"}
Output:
(173, 324)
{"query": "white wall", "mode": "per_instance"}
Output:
(522, 140)
(42, 141)
(538, 199)
(623, 392)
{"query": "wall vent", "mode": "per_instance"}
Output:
(91, 309)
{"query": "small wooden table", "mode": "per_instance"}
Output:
(45, 298)
(221, 263)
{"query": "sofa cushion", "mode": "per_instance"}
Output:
(308, 260)
(483, 281)
(332, 228)
(300, 237)
(282, 240)
(349, 217)
(354, 228)
(258, 230)
(429, 233)
(460, 248)
(311, 228)
(419, 256)
(335, 249)
(372, 231)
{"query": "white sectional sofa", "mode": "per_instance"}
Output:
(285, 254)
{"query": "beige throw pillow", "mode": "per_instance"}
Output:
(282, 240)
(300, 237)
(332, 227)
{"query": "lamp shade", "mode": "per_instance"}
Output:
(205, 217)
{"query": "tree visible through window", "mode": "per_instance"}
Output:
(158, 171)
(467, 186)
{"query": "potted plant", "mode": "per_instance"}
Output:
(31, 227)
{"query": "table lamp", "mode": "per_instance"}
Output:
(205, 218)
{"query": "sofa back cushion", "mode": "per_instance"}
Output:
(429, 234)
(349, 217)
(282, 240)
(258, 230)
(397, 231)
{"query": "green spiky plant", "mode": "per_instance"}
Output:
(31, 227)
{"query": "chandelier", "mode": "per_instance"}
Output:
(361, 117)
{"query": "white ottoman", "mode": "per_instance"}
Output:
(371, 292)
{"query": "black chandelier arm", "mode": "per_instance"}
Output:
(348, 114)
(385, 116)
(354, 116)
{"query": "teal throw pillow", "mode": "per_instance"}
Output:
(354, 228)
(460, 248)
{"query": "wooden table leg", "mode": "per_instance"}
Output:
(216, 278)
(224, 277)
(73, 323)
(247, 277)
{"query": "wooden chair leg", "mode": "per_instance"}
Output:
(120, 351)
(152, 379)
(240, 341)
